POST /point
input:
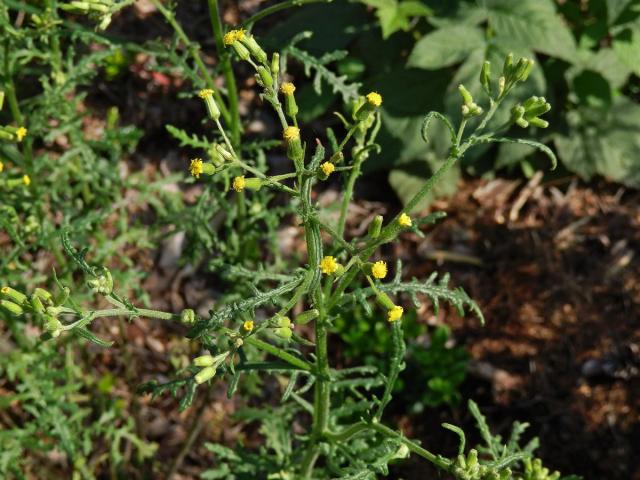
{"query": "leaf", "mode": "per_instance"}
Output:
(446, 46)
(409, 179)
(524, 141)
(615, 8)
(397, 15)
(603, 143)
(626, 45)
(532, 24)
(187, 140)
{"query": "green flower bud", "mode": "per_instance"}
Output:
(241, 50)
(204, 361)
(212, 107)
(284, 332)
(205, 375)
(275, 65)
(188, 316)
(11, 307)
(53, 326)
(256, 50)
(36, 304)
(253, 183)
(16, 296)
(43, 295)
(224, 153)
(370, 105)
(375, 226)
(290, 105)
(265, 77)
(294, 145)
(485, 77)
(306, 317)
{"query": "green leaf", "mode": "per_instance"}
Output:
(603, 143)
(532, 24)
(626, 45)
(409, 179)
(615, 8)
(446, 46)
(395, 16)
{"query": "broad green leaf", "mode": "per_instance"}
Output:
(604, 144)
(409, 179)
(615, 8)
(395, 16)
(532, 24)
(626, 44)
(446, 46)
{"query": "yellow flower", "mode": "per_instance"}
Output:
(26, 180)
(375, 99)
(328, 265)
(239, 183)
(291, 133)
(21, 133)
(196, 167)
(404, 220)
(395, 313)
(379, 269)
(328, 168)
(288, 88)
(248, 325)
(205, 92)
(5, 290)
(233, 35)
(1, 166)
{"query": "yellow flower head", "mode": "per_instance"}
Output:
(288, 88)
(328, 265)
(248, 325)
(379, 269)
(205, 92)
(1, 166)
(375, 99)
(232, 36)
(239, 183)
(291, 133)
(404, 220)
(395, 313)
(5, 290)
(26, 180)
(21, 133)
(328, 168)
(196, 167)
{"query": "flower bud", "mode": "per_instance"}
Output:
(14, 295)
(485, 77)
(326, 169)
(265, 77)
(375, 226)
(241, 50)
(11, 307)
(224, 153)
(253, 183)
(205, 375)
(290, 105)
(306, 317)
(203, 361)
(36, 304)
(53, 326)
(188, 316)
(212, 107)
(294, 145)
(372, 102)
(275, 65)
(250, 42)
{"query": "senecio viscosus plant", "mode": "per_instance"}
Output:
(346, 435)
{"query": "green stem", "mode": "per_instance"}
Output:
(356, 428)
(346, 198)
(193, 50)
(227, 71)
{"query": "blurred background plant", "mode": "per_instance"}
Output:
(588, 52)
